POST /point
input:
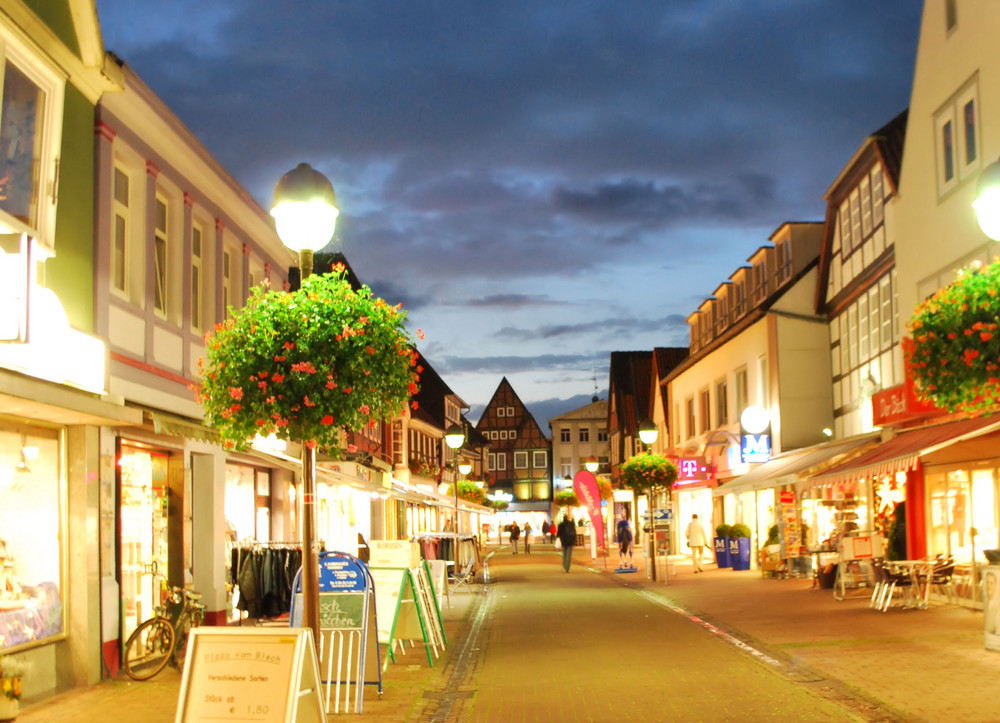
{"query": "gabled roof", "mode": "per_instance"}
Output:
(431, 396)
(887, 143)
(597, 409)
(630, 388)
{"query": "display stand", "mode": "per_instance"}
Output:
(265, 675)
(403, 618)
(349, 652)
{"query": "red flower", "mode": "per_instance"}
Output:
(236, 392)
(985, 335)
(289, 345)
(327, 420)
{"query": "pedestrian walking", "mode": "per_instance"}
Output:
(515, 535)
(696, 540)
(552, 531)
(527, 537)
(566, 532)
(624, 530)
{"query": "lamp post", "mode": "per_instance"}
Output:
(305, 215)
(648, 434)
(987, 203)
(454, 437)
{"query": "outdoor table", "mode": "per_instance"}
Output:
(920, 573)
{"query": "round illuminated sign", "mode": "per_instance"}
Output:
(755, 419)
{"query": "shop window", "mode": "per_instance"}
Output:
(31, 521)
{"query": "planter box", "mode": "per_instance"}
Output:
(739, 553)
(721, 545)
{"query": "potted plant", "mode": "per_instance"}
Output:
(11, 671)
(566, 498)
(721, 544)
(739, 546)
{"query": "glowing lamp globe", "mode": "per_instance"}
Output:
(305, 209)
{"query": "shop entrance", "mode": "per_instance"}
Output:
(144, 525)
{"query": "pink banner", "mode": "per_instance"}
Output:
(585, 487)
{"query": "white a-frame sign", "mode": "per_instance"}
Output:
(264, 675)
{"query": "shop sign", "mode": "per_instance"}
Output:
(341, 573)
(353, 469)
(898, 404)
(692, 470)
(755, 448)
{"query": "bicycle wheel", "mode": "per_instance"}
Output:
(190, 619)
(148, 649)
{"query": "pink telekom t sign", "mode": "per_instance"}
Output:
(585, 487)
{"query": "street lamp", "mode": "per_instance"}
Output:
(305, 215)
(454, 437)
(592, 464)
(648, 434)
(987, 203)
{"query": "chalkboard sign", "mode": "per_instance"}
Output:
(259, 675)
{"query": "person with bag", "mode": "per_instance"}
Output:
(566, 534)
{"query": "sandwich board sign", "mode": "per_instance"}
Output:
(264, 675)
(349, 650)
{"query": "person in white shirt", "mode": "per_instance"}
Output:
(696, 540)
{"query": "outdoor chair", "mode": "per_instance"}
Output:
(942, 577)
(464, 576)
(897, 580)
(881, 583)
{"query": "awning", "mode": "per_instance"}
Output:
(903, 452)
(25, 396)
(186, 428)
(785, 468)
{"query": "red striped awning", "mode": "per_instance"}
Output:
(903, 452)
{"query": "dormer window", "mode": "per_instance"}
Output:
(759, 281)
(783, 252)
(721, 313)
(739, 298)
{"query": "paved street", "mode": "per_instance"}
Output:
(593, 645)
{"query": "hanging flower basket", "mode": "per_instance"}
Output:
(470, 492)
(566, 498)
(604, 489)
(645, 471)
(306, 365)
(955, 357)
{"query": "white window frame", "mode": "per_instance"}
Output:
(503, 434)
(197, 277)
(226, 272)
(539, 459)
(863, 349)
(565, 434)
(584, 434)
(161, 256)
(513, 434)
(521, 459)
(878, 196)
(51, 81)
(965, 166)
(510, 411)
(501, 411)
(121, 259)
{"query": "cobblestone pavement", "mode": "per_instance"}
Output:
(594, 645)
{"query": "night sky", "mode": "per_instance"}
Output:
(539, 183)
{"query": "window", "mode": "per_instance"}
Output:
(510, 411)
(721, 403)
(957, 138)
(564, 434)
(863, 328)
(852, 336)
(503, 434)
(742, 391)
(866, 206)
(759, 282)
(584, 435)
(856, 219)
(501, 411)
(784, 260)
(845, 228)
(496, 461)
(950, 14)
(196, 278)
(513, 434)
(885, 312)
(119, 244)
(34, 526)
(689, 409)
(31, 110)
(762, 387)
(705, 318)
(721, 313)
(566, 470)
(704, 411)
(874, 325)
(540, 459)
(227, 280)
(160, 257)
(845, 361)
(877, 199)
(739, 299)
(602, 435)
(520, 459)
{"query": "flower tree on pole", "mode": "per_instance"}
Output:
(308, 364)
(646, 471)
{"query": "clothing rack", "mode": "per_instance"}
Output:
(263, 572)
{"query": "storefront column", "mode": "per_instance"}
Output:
(208, 491)
(916, 515)
(82, 665)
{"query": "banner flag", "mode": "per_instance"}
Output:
(585, 487)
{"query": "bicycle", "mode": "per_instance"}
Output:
(163, 638)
